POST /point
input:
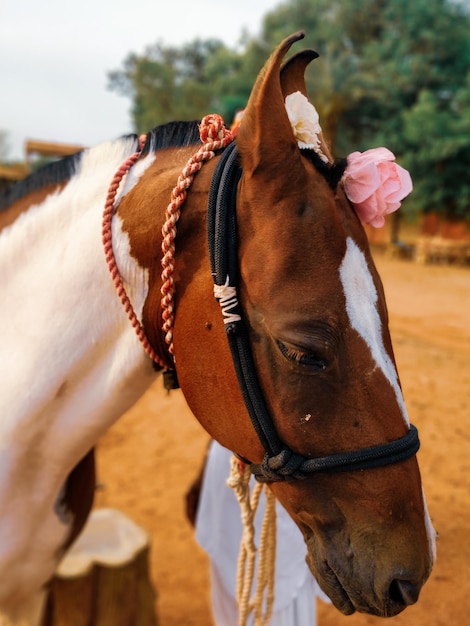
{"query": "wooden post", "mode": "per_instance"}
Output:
(28, 613)
(104, 579)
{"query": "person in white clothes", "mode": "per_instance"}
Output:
(213, 506)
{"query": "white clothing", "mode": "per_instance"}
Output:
(219, 531)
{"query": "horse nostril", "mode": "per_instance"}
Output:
(404, 592)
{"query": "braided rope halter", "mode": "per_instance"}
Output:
(107, 239)
(214, 136)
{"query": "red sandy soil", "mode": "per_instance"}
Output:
(147, 461)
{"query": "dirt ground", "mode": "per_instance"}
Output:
(149, 458)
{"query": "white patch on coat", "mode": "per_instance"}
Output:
(361, 306)
(70, 362)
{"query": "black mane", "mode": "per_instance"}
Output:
(171, 135)
(331, 172)
(53, 173)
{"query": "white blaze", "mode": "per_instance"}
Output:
(361, 306)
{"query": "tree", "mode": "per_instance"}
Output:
(437, 132)
(394, 73)
(384, 65)
(168, 83)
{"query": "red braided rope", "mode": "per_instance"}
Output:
(214, 136)
(109, 210)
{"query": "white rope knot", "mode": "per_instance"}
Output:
(261, 604)
(227, 298)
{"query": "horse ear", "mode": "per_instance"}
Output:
(265, 138)
(293, 72)
(293, 79)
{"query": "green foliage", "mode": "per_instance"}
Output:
(395, 74)
(168, 83)
(391, 72)
(437, 131)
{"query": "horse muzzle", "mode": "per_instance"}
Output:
(388, 602)
(375, 587)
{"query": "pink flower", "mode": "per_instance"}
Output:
(375, 184)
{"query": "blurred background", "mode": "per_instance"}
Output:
(391, 72)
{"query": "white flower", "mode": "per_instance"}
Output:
(305, 123)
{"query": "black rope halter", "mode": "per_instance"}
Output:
(280, 462)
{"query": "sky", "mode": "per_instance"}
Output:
(55, 56)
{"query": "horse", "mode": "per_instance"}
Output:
(242, 266)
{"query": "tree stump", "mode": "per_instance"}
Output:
(28, 613)
(104, 578)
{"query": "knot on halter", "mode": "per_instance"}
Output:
(212, 129)
(287, 464)
(283, 466)
(227, 298)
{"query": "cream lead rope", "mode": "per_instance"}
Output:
(261, 604)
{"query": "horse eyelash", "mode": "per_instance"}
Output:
(301, 358)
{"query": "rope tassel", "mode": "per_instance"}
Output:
(261, 604)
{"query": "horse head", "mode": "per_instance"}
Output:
(316, 318)
(310, 335)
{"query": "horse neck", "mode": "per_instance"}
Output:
(70, 362)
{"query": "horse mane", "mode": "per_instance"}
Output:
(332, 172)
(52, 173)
(182, 134)
(172, 135)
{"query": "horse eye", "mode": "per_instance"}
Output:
(304, 358)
